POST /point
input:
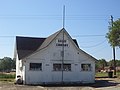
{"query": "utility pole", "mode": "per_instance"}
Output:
(62, 53)
(64, 16)
(114, 61)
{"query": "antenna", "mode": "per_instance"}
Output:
(63, 16)
(62, 53)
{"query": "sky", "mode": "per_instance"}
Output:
(85, 20)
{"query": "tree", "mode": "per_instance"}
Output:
(114, 34)
(101, 64)
(6, 64)
(114, 37)
(110, 63)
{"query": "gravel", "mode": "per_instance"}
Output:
(101, 84)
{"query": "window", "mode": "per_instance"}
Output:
(36, 66)
(86, 67)
(67, 67)
(58, 67)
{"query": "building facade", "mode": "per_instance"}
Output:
(54, 59)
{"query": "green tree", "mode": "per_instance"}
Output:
(110, 63)
(6, 64)
(114, 37)
(114, 34)
(101, 64)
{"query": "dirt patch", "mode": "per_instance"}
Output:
(100, 84)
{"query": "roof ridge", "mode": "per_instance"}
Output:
(48, 40)
(30, 37)
(27, 46)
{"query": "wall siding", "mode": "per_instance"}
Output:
(50, 55)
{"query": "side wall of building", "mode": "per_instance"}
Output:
(53, 55)
(18, 67)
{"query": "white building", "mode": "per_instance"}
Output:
(54, 59)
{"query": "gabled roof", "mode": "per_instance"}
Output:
(27, 45)
(48, 40)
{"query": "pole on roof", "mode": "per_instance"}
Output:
(64, 16)
(62, 53)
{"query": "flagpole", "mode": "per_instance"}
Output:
(63, 44)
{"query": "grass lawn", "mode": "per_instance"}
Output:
(101, 74)
(105, 74)
(7, 77)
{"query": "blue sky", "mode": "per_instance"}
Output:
(85, 21)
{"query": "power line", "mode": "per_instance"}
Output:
(72, 36)
(94, 45)
(68, 17)
(100, 49)
(102, 16)
(89, 35)
(7, 36)
(87, 41)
